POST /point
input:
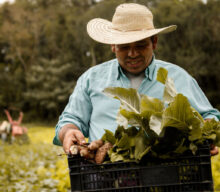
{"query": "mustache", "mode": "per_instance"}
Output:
(128, 59)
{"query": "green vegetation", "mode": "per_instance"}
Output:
(34, 166)
(148, 126)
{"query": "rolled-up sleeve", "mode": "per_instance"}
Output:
(200, 102)
(77, 111)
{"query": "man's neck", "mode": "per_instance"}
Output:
(135, 79)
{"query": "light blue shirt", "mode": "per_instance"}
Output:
(92, 111)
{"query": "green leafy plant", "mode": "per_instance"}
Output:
(163, 129)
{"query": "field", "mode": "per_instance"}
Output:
(37, 167)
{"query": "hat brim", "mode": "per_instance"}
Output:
(101, 30)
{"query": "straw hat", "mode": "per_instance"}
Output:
(131, 22)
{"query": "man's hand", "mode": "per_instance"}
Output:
(213, 150)
(69, 135)
(95, 145)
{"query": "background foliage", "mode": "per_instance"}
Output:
(44, 48)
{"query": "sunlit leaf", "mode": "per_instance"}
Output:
(155, 123)
(179, 114)
(169, 90)
(129, 98)
(162, 75)
(150, 106)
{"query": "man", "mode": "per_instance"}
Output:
(133, 39)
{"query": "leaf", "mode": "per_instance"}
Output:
(132, 131)
(211, 131)
(195, 133)
(181, 148)
(123, 142)
(196, 113)
(128, 139)
(121, 120)
(109, 137)
(114, 157)
(193, 148)
(155, 123)
(119, 132)
(123, 152)
(179, 114)
(125, 137)
(141, 145)
(162, 75)
(169, 90)
(150, 106)
(129, 98)
(133, 119)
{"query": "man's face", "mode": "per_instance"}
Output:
(135, 57)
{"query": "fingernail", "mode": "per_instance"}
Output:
(83, 142)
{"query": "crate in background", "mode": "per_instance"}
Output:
(186, 173)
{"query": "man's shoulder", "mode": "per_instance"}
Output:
(104, 65)
(103, 68)
(172, 68)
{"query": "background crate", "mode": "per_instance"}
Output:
(187, 173)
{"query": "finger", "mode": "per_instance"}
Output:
(68, 142)
(80, 139)
(94, 145)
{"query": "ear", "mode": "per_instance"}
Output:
(113, 48)
(155, 42)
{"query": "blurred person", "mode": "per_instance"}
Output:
(133, 39)
(16, 127)
(5, 130)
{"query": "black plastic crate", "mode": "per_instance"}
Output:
(186, 173)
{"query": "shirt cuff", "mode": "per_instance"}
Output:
(211, 117)
(56, 140)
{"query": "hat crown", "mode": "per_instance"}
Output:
(132, 17)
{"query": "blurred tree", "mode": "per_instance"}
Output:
(49, 86)
(195, 45)
(40, 34)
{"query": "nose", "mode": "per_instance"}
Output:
(132, 52)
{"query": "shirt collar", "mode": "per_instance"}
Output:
(149, 71)
(120, 72)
